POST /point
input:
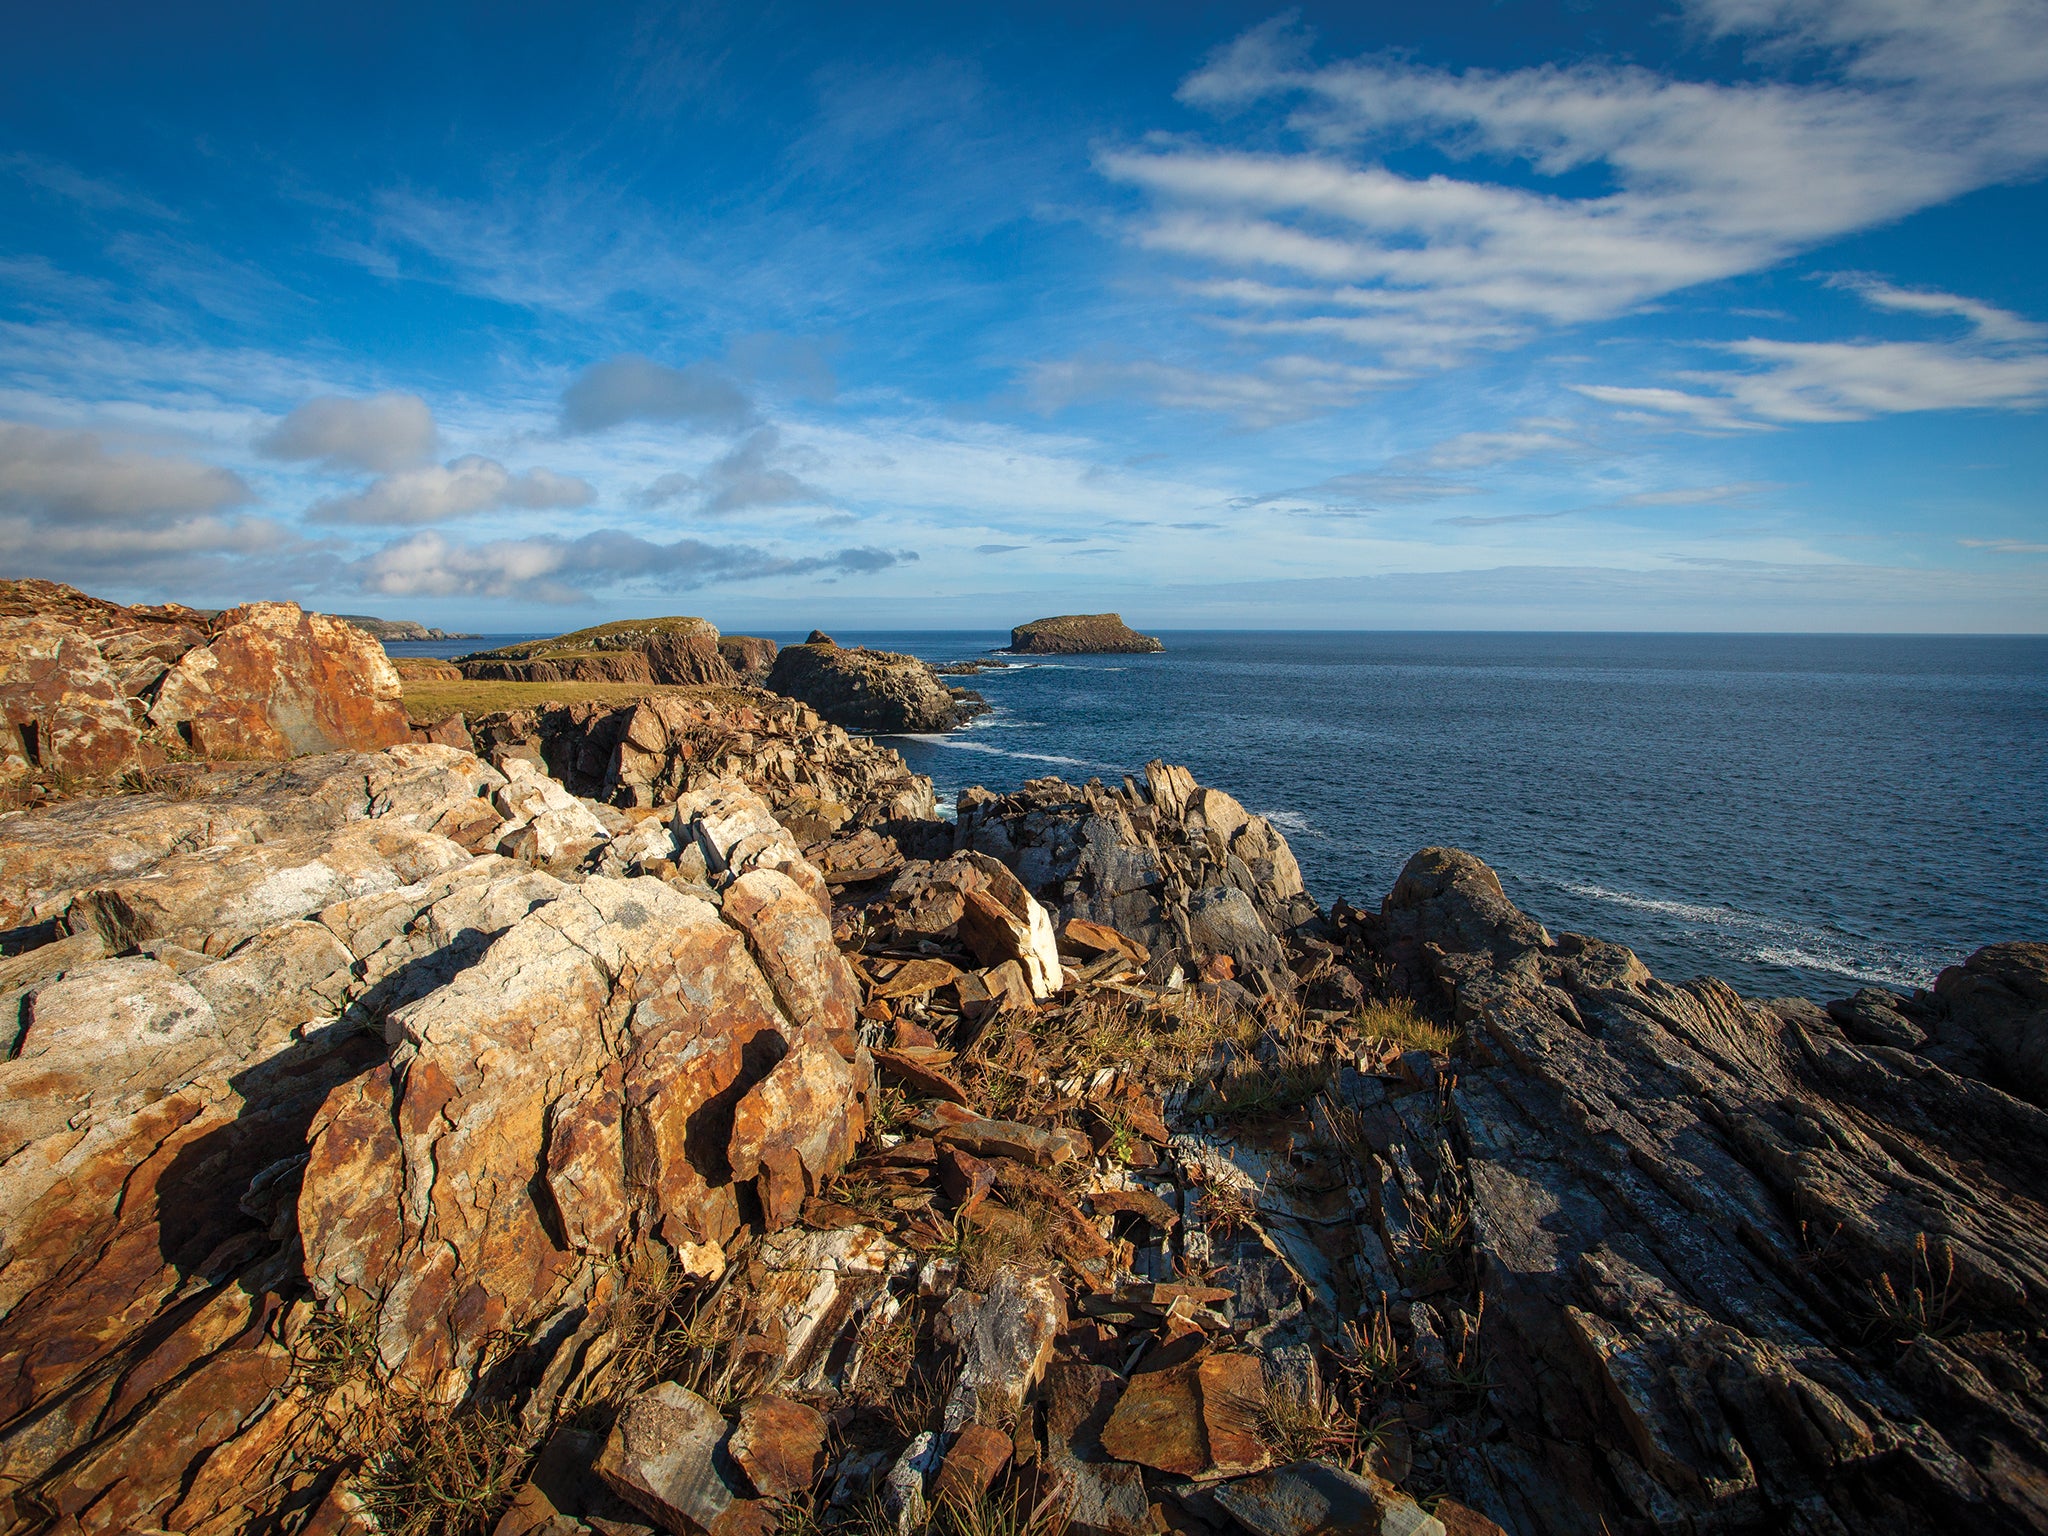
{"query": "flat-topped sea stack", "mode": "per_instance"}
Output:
(866, 690)
(671, 650)
(1080, 634)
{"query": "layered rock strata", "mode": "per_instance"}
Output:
(303, 1054)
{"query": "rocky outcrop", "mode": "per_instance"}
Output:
(817, 777)
(1076, 634)
(664, 651)
(346, 1118)
(274, 681)
(1186, 871)
(90, 689)
(337, 1065)
(750, 657)
(866, 690)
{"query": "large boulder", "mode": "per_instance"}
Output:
(865, 690)
(89, 689)
(1999, 999)
(276, 681)
(1075, 634)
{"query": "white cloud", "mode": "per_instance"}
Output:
(63, 477)
(1909, 107)
(432, 493)
(2001, 364)
(1707, 412)
(631, 388)
(378, 433)
(1288, 388)
(2005, 546)
(556, 570)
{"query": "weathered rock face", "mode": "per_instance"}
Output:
(65, 709)
(1737, 1265)
(750, 657)
(199, 1129)
(815, 776)
(90, 689)
(666, 651)
(1185, 870)
(866, 690)
(1076, 634)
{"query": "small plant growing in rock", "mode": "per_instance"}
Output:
(1923, 1303)
(1304, 1419)
(1376, 1360)
(1398, 1021)
(445, 1475)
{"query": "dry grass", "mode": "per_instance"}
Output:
(1441, 1225)
(1398, 1021)
(1923, 1303)
(1250, 1089)
(444, 1474)
(431, 699)
(1011, 1512)
(664, 1329)
(1306, 1420)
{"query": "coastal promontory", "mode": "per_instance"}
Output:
(677, 649)
(1080, 634)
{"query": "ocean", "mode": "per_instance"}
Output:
(1797, 814)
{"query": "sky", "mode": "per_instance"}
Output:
(1709, 315)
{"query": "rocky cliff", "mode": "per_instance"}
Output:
(381, 630)
(1079, 634)
(670, 650)
(658, 1119)
(90, 689)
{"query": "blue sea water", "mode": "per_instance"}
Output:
(1797, 814)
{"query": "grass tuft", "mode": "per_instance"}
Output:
(1398, 1021)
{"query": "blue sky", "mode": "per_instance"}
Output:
(1728, 314)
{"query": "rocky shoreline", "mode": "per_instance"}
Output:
(617, 1118)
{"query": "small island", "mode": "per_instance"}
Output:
(1080, 634)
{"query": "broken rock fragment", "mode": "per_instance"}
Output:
(1318, 1498)
(1005, 1340)
(665, 1457)
(780, 1444)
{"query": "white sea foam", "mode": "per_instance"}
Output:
(1293, 823)
(1764, 940)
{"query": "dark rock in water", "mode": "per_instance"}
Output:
(1077, 634)
(750, 656)
(866, 690)
(668, 651)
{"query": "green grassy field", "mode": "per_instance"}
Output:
(431, 699)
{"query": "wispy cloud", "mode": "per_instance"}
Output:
(2002, 363)
(1282, 389)
(1707, 180)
